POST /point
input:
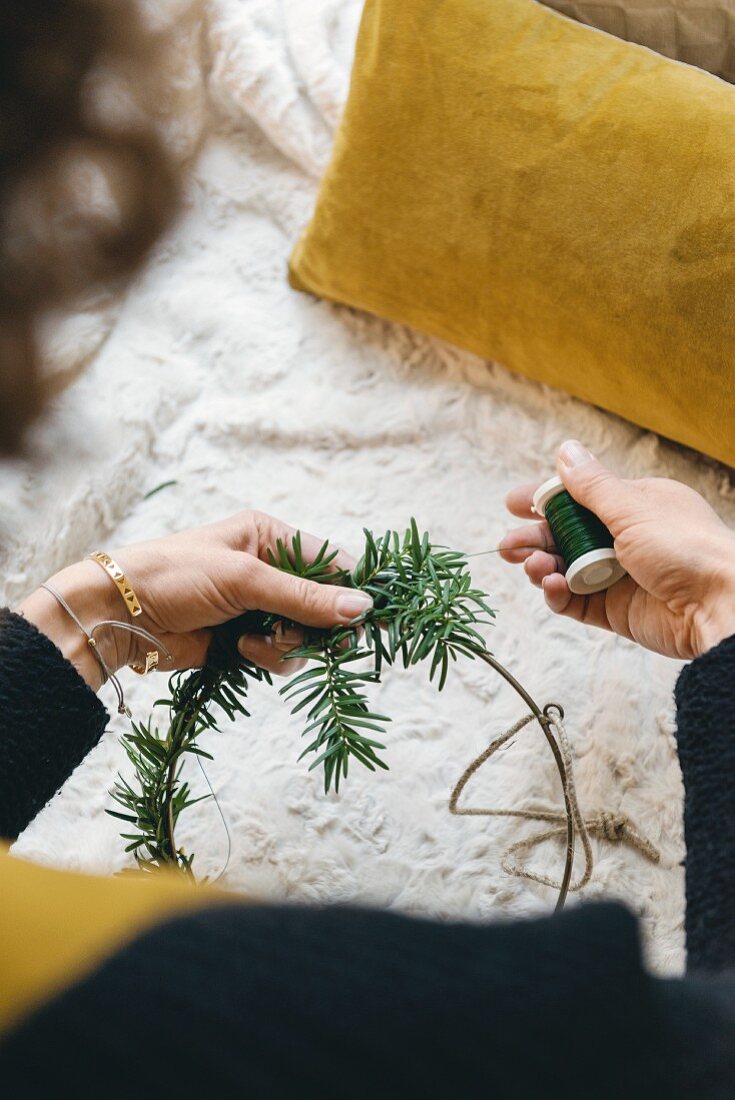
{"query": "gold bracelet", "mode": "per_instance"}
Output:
(151, 663)
(119, 579)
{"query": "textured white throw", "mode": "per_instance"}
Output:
(214, 373)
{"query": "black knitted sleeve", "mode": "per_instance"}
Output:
(272, 1003)
(50, 720)
(705, 698)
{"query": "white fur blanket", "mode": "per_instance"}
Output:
(212, 372)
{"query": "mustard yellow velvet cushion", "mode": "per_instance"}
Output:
(545, 195)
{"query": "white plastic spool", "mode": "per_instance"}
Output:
(593, 572)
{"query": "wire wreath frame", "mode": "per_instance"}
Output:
(613, 827)
(544, 720)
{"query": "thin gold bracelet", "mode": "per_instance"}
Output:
(121, 582)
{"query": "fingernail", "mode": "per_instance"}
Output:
(245, 643)
(574, 453)
(286, 637)
(353, 604)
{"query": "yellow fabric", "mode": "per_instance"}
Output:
(56, 927)
(546, 196)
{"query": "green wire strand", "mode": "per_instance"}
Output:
(576, 530)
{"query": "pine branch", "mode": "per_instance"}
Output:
(153, 808)
(338, 712)
(425, 608)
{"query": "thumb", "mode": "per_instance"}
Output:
(592, 484)
(301, 600)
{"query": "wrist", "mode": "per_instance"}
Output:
(93, 599)
(716, 620)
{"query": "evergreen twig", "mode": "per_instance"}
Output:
(425, 608)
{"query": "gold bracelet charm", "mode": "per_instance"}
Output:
(151, 662)
(120, 581)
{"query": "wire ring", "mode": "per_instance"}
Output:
(554, 706)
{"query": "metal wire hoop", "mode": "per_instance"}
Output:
(544, 719)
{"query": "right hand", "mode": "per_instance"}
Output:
(679, 596)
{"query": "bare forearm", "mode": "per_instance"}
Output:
(93, 599)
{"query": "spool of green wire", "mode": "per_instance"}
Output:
(581, 538)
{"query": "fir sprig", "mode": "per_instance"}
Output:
(339, 717)
(425, 608)
(153, 806)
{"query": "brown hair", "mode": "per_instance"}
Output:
(55, 123)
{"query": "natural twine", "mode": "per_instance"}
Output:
(614, 827)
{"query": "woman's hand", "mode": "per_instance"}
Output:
(188, 583)
(679, 595)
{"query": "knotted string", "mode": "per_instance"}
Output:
(613, 827)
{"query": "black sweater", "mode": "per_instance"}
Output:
(280, 1001)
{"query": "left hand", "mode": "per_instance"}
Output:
(188, 583)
